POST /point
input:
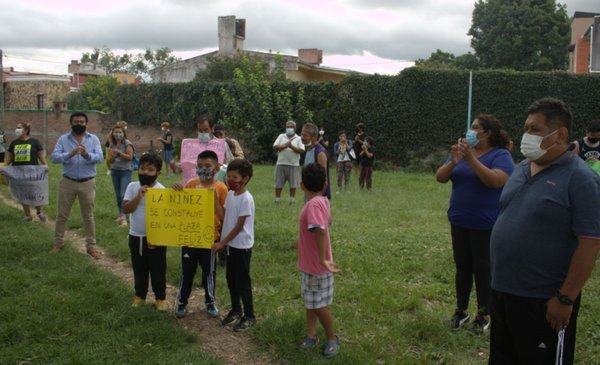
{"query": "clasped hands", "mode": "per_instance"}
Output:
(79, 150)
(460, 151)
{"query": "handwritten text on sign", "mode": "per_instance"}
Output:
(180, 218)
(28, 184)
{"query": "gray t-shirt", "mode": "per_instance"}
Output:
(535, 236)
(120, 163)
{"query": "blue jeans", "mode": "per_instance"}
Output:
(120, 179)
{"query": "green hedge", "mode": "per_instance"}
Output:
(409, 115)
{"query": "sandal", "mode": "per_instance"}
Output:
(309, 342)
(331, 348)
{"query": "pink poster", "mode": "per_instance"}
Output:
(191, 147)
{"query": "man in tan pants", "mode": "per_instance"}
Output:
(79, 152)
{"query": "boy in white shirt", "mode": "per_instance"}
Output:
(146, 259)
(237, 237)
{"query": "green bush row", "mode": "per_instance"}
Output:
(411, 115)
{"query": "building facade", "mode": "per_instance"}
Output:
(232, 33)
(581, 36)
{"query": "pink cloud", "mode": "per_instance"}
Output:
(366, 63)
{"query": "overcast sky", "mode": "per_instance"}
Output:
(381, 36)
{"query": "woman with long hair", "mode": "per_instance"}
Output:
(120, 151)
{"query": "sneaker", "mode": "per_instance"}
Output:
(42, 217)
(480, 325)
(332, 347)
(212, 310)
(55, 249)
(231, 317)
(93, 252)
(309, 342)
(137, 302)
(181, 311)
(108, 172)
(292, 201)
(161, 305)
(244, 324)
(277, 200)
(27, 218)
(459, 319)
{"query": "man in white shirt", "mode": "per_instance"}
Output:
(289, 147)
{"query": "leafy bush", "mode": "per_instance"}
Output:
(409, 115)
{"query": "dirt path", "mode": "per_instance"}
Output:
(228, 346)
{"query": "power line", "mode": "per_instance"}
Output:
(35, 59)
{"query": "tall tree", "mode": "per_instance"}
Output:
(97, 94)
(441, 60)
(138, 64)
(524, 35)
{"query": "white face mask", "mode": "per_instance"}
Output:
(19, 132)
(530, 146)
(204, 137)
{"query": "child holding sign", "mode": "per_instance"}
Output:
(315, 260)
(207, 168)
(238, 238)
(146, 259)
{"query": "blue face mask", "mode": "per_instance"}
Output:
(471, 138)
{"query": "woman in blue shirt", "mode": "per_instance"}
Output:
(479, 166)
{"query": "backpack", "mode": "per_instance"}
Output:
(135, 161)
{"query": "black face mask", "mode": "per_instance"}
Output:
(593, 140)
(147, 180)
(78, 128)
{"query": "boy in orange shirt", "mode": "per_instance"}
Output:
(207, 168)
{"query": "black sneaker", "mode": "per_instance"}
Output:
(231, 317)
(459, 319)
(244, 324)
(480, 325)
(180, 312)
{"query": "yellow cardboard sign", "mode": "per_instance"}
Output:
(180, 218)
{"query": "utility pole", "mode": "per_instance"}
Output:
(1, 92)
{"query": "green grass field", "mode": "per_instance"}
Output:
(392, 301)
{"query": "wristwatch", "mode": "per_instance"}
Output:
(563, 299)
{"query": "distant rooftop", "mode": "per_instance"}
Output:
(583, 14)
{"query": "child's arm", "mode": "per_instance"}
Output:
(129, 206)
(368, 154)
(219, 209)
(321, 239)
(234, 232)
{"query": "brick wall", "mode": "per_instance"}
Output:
(582, 54)
(57, 123)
